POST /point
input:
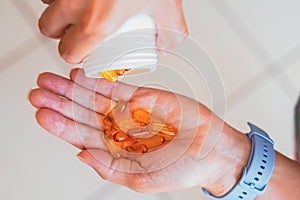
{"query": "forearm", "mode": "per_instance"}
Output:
(285, 181)
(233, 145)
(228, 158)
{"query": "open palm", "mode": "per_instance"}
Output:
(73, 109)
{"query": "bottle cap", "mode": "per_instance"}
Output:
(132, 46)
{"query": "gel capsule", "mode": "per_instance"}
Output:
(144, 137)
(141, 117)
(112, 75)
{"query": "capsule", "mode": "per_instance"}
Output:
(151, 142)
(109, 75)
(121, 72)
(141, 117)
(120, 136)
(107, 123)
(163, 128)
(137, 148)
(112, 75)
(145, 136)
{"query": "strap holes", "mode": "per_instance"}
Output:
(262, 167)
(256, 179)
(266, 150)
(244, 193)
(264, 161)
(265, 155)
(259, 173)
(240, 197)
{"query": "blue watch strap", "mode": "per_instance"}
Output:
(258, 171)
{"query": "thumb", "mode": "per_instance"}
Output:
(140, 182)
(107, 166)
(100, 160)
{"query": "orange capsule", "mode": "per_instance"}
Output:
(164, 128)
(120, 136)
(121, 72)
(108, 134)
(109, 75)
(110, 116)
(112, 75)
(166, 137)
(142, 136)
(125, 143)
(137, 148)
(138, 131)
(107, 123)
(151, 142)
(141, 117)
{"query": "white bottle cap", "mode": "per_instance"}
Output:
(132, 46)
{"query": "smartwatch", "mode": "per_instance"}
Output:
(258, 171)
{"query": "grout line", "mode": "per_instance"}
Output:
(250, 41)
(19, 52)
(272, 71)
(28, 13)
(28, 46)
(24, 49)
(25, 10)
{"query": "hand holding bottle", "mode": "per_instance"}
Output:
(81, 25)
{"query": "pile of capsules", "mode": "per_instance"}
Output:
(146, 135)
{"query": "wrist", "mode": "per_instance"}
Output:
(227, 159)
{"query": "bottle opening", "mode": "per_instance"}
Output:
(132, 46)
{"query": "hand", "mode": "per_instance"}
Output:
(81, 25)
(74, 110)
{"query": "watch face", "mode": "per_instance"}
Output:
(297, 121)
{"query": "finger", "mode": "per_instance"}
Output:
(116, 90)
(146, 98)
(80, 40)
(55, 20)
(101, 162)
(74, 46)
(112, 169)
(47, 1)
(41, 98)
(170, 32)
(81, 95)
(79, 135)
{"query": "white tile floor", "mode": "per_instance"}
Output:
(16, 25)
(254, 44)
(269, 25)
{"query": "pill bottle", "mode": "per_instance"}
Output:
(131, 47)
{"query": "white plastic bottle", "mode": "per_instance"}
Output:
(132, 46)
